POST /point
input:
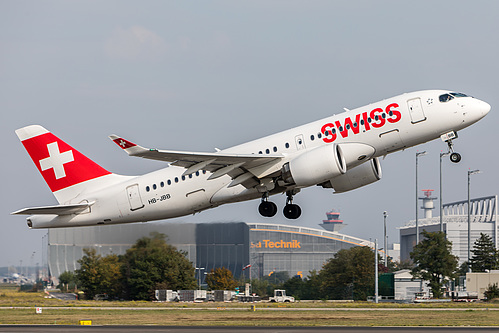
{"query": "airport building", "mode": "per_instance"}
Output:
(483, 219)
(234, 245)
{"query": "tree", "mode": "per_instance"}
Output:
(152, 264)
(296, 287)
(434, 261)
(349, 275)
(111, 277)
(485, 255)
(491, 292)
(67, 280)
(99, 275)
(89, 272)
(221, 279)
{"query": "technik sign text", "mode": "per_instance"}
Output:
(268, 244)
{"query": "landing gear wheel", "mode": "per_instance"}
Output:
(455, 157)
(292, 211)
(267, 209)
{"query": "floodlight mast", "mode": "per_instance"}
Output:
(422, 153)
(441, 194)
(470, 173)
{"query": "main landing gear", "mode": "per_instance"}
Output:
(454, 157)
(269, 209)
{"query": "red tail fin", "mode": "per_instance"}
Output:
(60, 164)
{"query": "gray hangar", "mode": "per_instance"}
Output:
(234, 245)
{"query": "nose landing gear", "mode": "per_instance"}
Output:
(455, 157)
(448, 137)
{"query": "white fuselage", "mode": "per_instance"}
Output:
(386, 126)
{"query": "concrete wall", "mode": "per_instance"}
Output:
(478, 282)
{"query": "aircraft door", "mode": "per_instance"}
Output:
(300, 143)
(416, 110)
(134, 197)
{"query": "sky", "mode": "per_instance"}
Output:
(200, 75)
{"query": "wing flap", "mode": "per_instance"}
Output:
(54, 210)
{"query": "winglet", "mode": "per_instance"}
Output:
(131, 148)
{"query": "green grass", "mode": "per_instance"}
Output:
(250, 318)
(229, 314)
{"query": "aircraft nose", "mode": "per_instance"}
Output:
(483, 107)
(480, 109)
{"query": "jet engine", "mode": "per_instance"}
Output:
(362, 175)
(315, 166)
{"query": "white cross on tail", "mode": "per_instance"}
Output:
(56, 160)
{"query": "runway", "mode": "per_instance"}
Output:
(238, 329)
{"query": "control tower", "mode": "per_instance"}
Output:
(428, 205)
(333, 222)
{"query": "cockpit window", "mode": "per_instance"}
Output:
(455, 94)
(447, 97)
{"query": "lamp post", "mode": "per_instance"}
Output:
(422, 153)
(376, 271)
(385, 238)
(470, 172)
(441, 200)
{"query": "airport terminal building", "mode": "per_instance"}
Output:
(483, 219)
(234, 245)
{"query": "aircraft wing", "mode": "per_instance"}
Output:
(235, 165)
(54, 210)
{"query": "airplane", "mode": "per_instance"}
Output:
(340, 152)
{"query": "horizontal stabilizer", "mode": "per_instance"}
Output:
(55, 210)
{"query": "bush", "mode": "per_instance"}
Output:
(491, 292)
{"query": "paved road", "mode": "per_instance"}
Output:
(225, 329)
(64, 296)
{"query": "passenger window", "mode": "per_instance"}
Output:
(275, 149)
(176, 179)
(162, 184)
(312, 138)
(286, 145)
(197, 173)
(267, 151)
(169, 182)
(445, 98)
(319, 135)
(147, 189)
(154, 186)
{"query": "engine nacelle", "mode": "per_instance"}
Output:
(359, 176)
(315, 166)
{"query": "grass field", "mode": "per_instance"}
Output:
(250, 318)
(19, 308)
